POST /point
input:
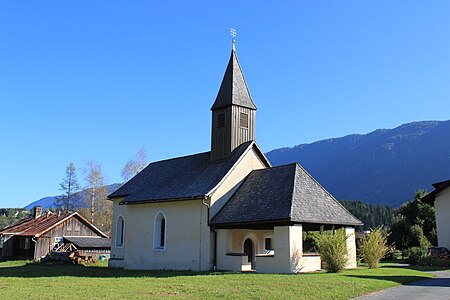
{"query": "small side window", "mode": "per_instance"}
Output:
(159, 233)
(221, 120)
(120, 226)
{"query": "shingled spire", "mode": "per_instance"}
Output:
(233, 112)
(233, 90)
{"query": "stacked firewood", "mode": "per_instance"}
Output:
(72, 257)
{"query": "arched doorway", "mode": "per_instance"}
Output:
(249, 250)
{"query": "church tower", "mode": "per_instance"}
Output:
(233, 112)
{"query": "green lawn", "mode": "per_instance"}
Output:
(19, 280)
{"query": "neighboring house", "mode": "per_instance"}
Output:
(34, 236)
(440, 198)
(225, 209)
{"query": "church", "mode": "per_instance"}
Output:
(225, 209)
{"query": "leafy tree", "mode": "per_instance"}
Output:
(69, 186)
(134, 166)
(11, 215)
(414, 225)
(332, 247)
(96, 191)
(3, 221)
(373, 247)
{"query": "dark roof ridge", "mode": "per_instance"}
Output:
(438, 184)
(294, 186)
(243, 77)
(438, 187)
(178, 157)
(332, 197)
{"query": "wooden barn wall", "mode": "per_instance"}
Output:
(20, 247)
(8, 246)
(72, 227)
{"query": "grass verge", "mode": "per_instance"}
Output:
(19, 280)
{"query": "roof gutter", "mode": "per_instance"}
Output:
(200, 197)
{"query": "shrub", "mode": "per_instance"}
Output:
(414, 255)
(435, 261)
(373, 248)
(393, 253)
(332, 247)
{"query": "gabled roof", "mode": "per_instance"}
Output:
(188, 177)
(233, 90)
(89, 242)
(283, 194)
(30, 226)
(438, 187)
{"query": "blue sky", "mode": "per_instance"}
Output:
(96, 80)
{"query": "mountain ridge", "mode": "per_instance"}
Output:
(49, 201)
(384, 166)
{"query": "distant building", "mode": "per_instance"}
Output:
(34, 236)
(440, 198)
(225, 209)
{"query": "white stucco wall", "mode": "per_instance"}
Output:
(232, 241)
(288, 251)
(351, 248)
(442, 206)
(188, 238)
(117, 252)
(249, 162)
(287, 256)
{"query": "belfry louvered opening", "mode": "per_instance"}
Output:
(221, 120)
(243, 120)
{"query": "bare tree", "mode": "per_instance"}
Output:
(134, 166)
(96, 190)
(68, 200)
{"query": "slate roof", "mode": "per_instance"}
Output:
(30, 226)
(188, 177)
(438, 187)
(84, 242)
(233, 90)
(286, 193)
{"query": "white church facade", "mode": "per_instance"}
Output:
(225, 209)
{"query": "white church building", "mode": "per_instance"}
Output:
(225, 209)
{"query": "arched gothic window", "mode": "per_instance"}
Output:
(120, 230)
(159, 234)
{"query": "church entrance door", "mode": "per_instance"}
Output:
(249, 251)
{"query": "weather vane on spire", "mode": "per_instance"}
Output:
(233, 35)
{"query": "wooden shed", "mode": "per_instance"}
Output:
(34, 236)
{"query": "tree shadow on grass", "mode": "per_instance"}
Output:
(35, 270)
(411, 280)
(403, 279)
(420, 268)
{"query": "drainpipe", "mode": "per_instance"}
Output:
(215, 234)
(35, 244)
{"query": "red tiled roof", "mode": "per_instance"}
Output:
(30, 226)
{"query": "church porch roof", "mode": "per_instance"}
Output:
(282, 195)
